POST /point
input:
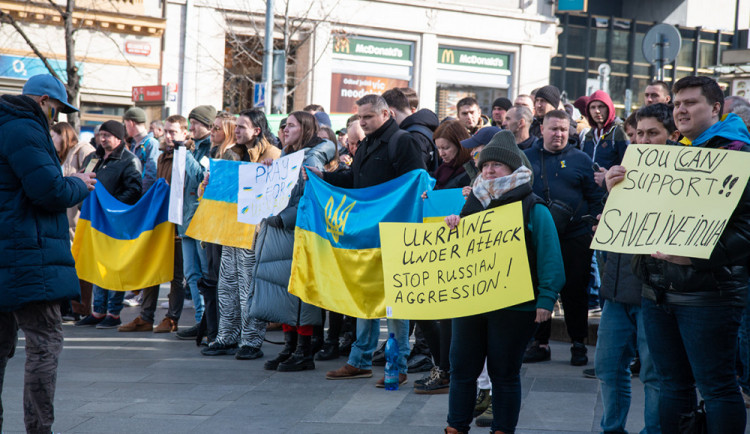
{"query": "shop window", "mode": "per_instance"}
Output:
(620, 45)
(707, 54)
(449, 94)
(577, 38)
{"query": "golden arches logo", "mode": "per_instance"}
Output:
(342, 45)
(448, 56)
(336, 219)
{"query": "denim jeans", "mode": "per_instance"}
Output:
(500, 336)
(106, 301)
(620, 333)
(195, 267)
(368, 332)
(696, 345)
(743, 354)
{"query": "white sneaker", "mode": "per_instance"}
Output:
(132, 302)
(164, 305)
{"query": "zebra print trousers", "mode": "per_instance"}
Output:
(234, 299)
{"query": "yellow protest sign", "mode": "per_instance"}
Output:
(674, 199)
(432, 272)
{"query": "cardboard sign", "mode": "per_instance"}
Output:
(432, 272)
(177, 187)
(674, 199)
(264, 191)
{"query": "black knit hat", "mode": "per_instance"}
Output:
(204, 114)
(115, 128)
(503, 148)
(551, 94)
(503, 103)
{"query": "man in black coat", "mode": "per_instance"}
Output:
(377, 160)
(119, 171)
(421, 124)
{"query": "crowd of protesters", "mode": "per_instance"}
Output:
(678, 322)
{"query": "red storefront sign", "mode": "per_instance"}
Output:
(149, 93)
(139, 48)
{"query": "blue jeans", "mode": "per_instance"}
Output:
(501, 337)
(195, 267)
(696, 345)
(106, 301)
(620, 333)
(368, 332)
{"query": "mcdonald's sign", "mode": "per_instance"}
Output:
(342, 45)
(372, 48)
(447, 56)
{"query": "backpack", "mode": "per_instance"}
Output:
(393, 146)
(432, 165)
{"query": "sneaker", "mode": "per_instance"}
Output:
(109, 322)
(484, 399)
(329, 351)
(71, 317)
(89, 320)
(485, 419)
(578, 354)
(248, 353)
(348, 372)
(132, 302)
(435, 386)
(216, 349)
(434, 373)
(402, 379)
(188, 334)
(137, 325)
(589, 373)
(419, 363)
(164, 305)
(166, 325)
(536, 353)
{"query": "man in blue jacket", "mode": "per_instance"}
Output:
(38, 269)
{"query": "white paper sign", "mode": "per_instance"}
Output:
(177, 187)
(265, 190)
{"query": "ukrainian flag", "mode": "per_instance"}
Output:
(337, 263)
(125, 247)
(442, 203)
(215, 220)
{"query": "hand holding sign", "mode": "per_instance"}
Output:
(264, 190)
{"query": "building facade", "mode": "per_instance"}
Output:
(338, 51)
(117, 46)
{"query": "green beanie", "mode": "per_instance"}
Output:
(204, 114)
(135, 114)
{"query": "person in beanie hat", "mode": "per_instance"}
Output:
(114, 128)
(142, 144)
(499, 108)
(204, 114)
(501, 336)
(546, 99)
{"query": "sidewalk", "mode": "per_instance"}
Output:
(154, 383)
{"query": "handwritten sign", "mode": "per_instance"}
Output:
(177, 188)
(265, 190)
(674, 199)
(432, 272)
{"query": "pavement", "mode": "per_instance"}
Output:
(154, 383)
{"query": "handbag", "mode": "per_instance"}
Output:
(694, 422)
(562, 213)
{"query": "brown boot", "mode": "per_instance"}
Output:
(348, 371)
(166, 325)
(137, 325)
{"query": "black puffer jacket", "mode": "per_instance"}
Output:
(429, 121)
(618, 281)
(720, 280)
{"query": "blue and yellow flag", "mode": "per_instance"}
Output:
(215, 220)
(337, 263)
(442, 203)
(125, 247)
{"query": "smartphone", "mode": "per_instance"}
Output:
(596, 167)
(91, 165)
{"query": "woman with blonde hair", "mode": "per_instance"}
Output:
(222, 134)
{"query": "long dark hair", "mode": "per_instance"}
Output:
(258, 118)
(454, 132)
(309, 126)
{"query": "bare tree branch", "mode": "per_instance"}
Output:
(57, 8)
(7, 18)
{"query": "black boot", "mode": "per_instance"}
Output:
(302, 358)
(317, 339)
(330, 350)
(290, 343)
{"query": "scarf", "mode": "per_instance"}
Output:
(445, 173)
(487, 190)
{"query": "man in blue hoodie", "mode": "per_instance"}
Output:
(38, 269)
(692, 307)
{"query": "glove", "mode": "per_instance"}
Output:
(275, 222)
